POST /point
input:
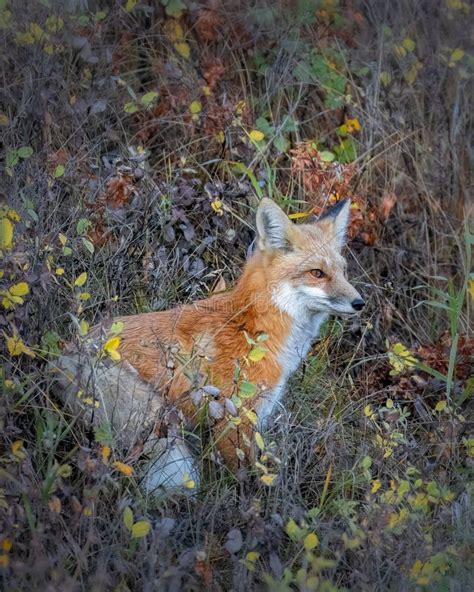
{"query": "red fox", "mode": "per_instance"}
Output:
(232, 352)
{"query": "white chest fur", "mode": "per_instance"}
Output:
(294, 351)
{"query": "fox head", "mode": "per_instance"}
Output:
(304, 263)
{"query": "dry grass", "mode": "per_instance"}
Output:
(381, 486)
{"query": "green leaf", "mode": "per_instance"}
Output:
(25, 151)
(11, 158)
(130, 107)
(103, 434)
(281, 143)
(149, 98)
(292, 529)
(88, 245)
(128, 518)
(174, 8)
(346, 151)
(247, 389)
(82, 226)
(266, 128)
(140, 529)
(327, 156)
(58, 171)
(116, 327)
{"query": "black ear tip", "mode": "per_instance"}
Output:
(334, 210)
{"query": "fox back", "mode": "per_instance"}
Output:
(233, 352)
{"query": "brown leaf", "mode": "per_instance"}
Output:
(208, 24)
(388, 202)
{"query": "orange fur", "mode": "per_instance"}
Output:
(147, 340)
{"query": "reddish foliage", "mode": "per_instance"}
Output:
(388, 202)
(208, 24)
(437, 355)
(119, 190)
(217, 117)
(213, 69)
(326, 183)
(204, 571)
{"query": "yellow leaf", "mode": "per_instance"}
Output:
(376, 485)
(54, 504)
(353, 125)
(457, 55)
(19, 289)
(6, 233)
(216, 205)
(83, 327)
(81, 279)
(123, 468)
(24, 38)
(4, 121)
(268, 479)
(256, 135)
(256, 354)
(298, 215)
(4, 561)
(368, 411)
(252, 556)
(59, 271)
(174, 30)
(440, 406)
(7, 545)
(140, 529)
(16, 347)
(130, 5)
(251, 416)
(408, 44)
(311, 541)
(111, 347)
(220, 137)
(389, 404)
(36, 31)
(16, 446)
(84, 296)
(128, 518)
(195, 107)
(87, 511)
(188, 482)
(259, 440)
(183, 49)
(471, 288)
(65, 471)
(105, 453)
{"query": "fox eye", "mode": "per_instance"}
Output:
(317, 273)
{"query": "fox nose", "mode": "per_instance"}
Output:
(358, 304)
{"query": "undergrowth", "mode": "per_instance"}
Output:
(137, 139)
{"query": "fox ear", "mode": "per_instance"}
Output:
(273, 226)
(338, 216)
